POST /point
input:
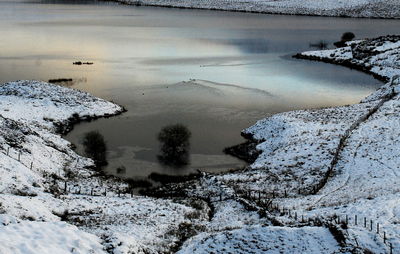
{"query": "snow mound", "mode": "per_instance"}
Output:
(264, 240)
(47, 237)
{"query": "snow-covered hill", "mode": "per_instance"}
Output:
(337, 8)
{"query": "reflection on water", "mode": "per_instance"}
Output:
(214, 72)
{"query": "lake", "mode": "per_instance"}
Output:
(215, 72)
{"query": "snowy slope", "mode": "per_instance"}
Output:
(264, 240)
(349, 8)
(47, 238)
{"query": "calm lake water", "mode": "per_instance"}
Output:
(215, 72)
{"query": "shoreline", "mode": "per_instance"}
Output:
(244, 9)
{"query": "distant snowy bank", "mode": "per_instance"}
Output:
(335, 8)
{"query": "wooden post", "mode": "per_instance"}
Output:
(285, 194)
(384, 237)
(105, 192)
(220, 197)
(273, 194)
(391, 248)
(19, 156)
(119, 193)
(79, 192)
(371, 225)
(347, 219)
(365, 222)
(31, 165)
(302, 218)
(377, 228)
(8, 150)
(131, 193)
(355, 219)
(259, 195)
(65, 186)
(295, 215)
(91, 192)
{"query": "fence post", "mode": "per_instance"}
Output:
(91, 192)
(105, 192)
(365, 222)
(371, 225)
(295, 215)
(8, 150)
(31, 165)
(355, 219)
(259, 196)
(65, 186)
(391, 248)
(384, 237)
(285, 194)
(220, 197)
(347, 219)
(19, 156)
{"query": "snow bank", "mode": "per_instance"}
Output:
(47, 238)
(264, 240)
(349, 8)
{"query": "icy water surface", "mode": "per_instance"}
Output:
(215, 72)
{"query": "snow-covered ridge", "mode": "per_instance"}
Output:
(337, 8)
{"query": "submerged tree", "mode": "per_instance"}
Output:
(95, 147)
(175, 145)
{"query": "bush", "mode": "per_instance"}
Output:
(95, 147)
(348, 36)
(175, 145)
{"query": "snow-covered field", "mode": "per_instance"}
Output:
(339, 8)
